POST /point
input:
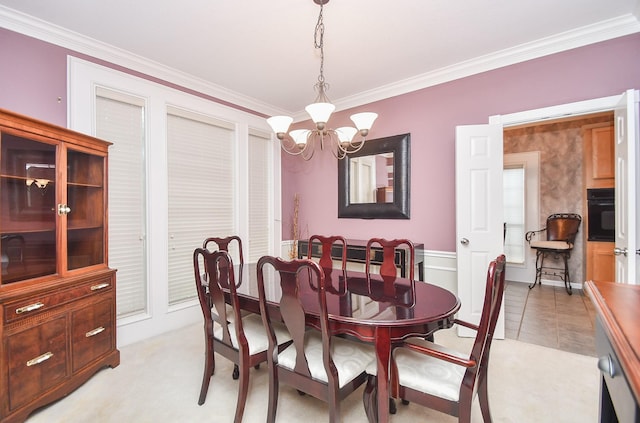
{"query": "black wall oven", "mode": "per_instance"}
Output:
(601, 212)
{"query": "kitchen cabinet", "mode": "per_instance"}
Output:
(599, 155)
(599, 172)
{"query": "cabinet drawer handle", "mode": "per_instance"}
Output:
(39, 359)
(94, 332)
(99, 286)
(606, 365)
(29, 307)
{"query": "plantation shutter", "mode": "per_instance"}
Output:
(260, 205)
(120, 120)
(201, 191)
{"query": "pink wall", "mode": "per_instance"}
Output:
(33, 77)
(431, 115)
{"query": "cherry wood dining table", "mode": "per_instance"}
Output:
(367, 308)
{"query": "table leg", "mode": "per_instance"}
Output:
(383, 357)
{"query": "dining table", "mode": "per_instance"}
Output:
(376, 310)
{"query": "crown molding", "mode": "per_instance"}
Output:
(45, 31)
(602, 31)
(62, 37)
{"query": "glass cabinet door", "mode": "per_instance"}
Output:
(27, 208)
(85, 209)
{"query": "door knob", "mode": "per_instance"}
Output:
(464, 241)
(619, 251)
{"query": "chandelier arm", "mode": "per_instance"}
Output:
(350, 146)
(336, 149)
(308, 147)
(290, 147)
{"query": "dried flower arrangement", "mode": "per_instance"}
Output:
(295, 230)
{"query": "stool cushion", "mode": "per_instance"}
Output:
(552, 245)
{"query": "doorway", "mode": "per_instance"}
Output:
(546, 315)
(560, 147)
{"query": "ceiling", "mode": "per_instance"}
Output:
(262, 52)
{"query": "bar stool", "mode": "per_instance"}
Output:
(561, 229)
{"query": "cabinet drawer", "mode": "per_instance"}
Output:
(37, 360)
(92, 332)
(38, 304)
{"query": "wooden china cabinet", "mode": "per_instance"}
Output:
(57, 293)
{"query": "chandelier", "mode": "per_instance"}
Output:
(340, 141)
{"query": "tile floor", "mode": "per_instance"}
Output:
(548, 316)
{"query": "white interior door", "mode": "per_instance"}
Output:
(626, 146)
(363, 176)
(479, 216)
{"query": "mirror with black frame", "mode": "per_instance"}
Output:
(373, 183)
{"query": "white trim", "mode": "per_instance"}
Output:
(578, 108)
(83, 77)
(530, 161)
(42, 30)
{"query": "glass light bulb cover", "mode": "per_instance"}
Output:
(280, 124)
(364, 120)
(346, 133)
(300, 136)
(320, 112)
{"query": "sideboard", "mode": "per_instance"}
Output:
(356, 253)
(618, 349)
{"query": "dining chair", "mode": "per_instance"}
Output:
(242, 340)
(326, 244)
(388, 270)
(316, 363)
(223, 244)
(437, 377)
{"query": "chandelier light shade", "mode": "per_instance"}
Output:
(340, 141)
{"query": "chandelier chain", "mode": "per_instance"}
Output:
(319, 44)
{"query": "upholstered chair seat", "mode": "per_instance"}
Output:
(350, 358)
(254, 332)
(428, 374)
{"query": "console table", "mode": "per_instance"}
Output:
(356, 253)
(618, 349)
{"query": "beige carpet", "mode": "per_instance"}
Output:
(158, 380)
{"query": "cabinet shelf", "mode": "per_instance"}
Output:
(10, 231)
(78, 184)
